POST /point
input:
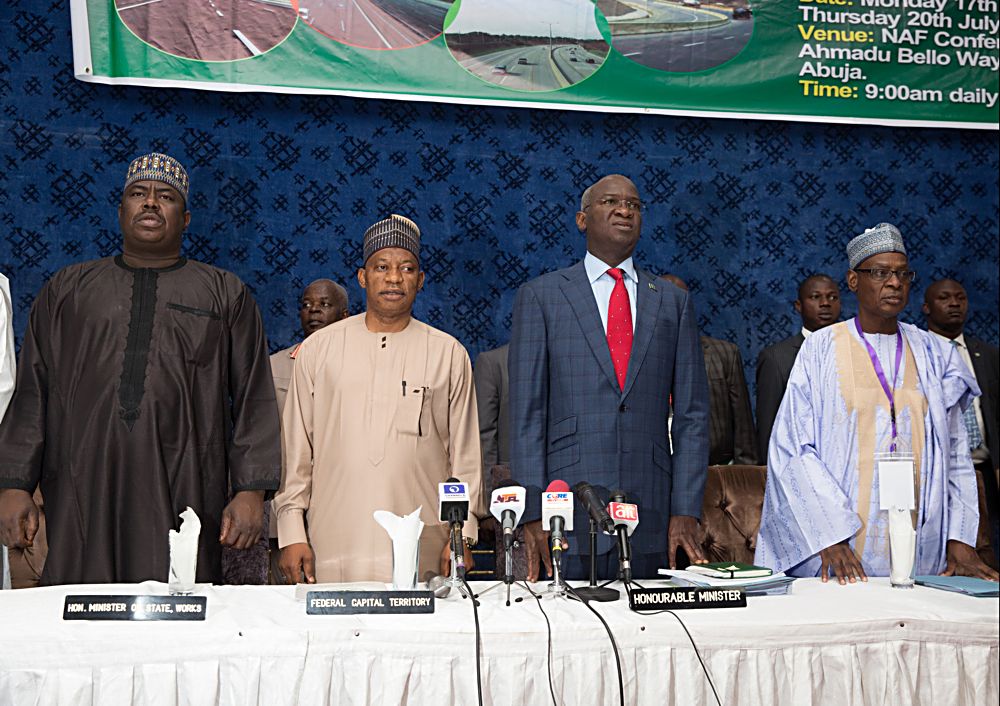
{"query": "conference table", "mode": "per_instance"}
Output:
(821, 644)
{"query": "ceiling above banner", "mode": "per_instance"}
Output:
(885, 62)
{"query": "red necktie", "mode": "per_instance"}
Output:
(619, 326)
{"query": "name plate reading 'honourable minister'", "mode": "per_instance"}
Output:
(674, 598)
(135, 608)
(375, 602)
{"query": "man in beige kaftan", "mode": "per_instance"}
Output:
(380, 410)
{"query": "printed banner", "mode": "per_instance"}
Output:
(895, 62)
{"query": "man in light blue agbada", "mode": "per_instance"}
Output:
(860, 388)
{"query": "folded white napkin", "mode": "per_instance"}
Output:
(405, 535)
(184, 553)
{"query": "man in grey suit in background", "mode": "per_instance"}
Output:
(818, 304)
(596, 351)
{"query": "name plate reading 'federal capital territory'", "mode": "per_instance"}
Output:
(673, 598)
(377, 602)
(134, 608)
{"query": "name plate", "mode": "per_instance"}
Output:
(134, 608)
(377, 602)
(673, 598)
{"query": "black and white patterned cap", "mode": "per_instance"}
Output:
(884, 237)
(393, 232)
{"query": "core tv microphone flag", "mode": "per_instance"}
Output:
(557, 509)
(557, 517)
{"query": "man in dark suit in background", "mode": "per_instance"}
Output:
(946, 307)
(818, 304)
(7, 366)
(490, 372)
(492, 403)
(589, 390)
(731, 437)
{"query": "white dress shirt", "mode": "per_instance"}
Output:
(603, 284)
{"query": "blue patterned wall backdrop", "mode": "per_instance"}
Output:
(283, 186)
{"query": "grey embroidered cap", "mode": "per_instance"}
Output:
(393, 232)
(884, 237)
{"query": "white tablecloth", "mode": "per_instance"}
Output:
(823, 644)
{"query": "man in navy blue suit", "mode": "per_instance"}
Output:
(596, 352)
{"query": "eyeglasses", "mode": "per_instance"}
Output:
(879, 274)
(611, 202)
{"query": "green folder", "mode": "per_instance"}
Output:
(966, 585)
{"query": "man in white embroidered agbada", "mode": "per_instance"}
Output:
(858, 388)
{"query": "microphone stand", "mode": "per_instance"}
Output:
(558, 587)
(626, 580)
(457, 555)
(508, 575)
(593, 592)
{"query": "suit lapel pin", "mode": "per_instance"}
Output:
(651, 286)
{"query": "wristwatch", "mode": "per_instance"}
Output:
(469, 542)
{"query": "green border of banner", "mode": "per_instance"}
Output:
(762, 81)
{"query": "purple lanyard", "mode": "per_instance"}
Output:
(881, 375)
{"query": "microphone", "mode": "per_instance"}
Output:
(599, 517)
(453, 508)
(453, 501)
(588, 496)
(626, 518)
(507, 505)
(557, 512)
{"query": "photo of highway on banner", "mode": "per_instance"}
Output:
(209, 30)
(376, 24)
(534, 45)
(678, 35)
